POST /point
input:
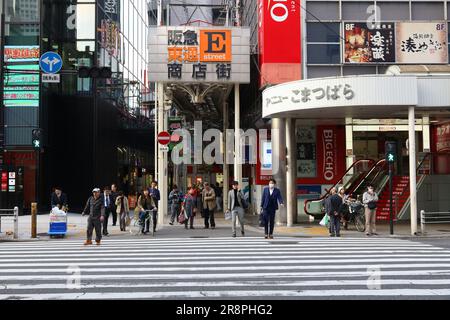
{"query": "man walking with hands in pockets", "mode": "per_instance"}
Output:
(236, 206)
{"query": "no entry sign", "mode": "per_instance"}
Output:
(163, 137)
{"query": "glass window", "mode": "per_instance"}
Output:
(392, 11)
(323, 10)
(324, 53)
(320, 72)
(86, 21)
(427, 10)
(323, 32)
(355, 10)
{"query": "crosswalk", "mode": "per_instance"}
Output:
(224, 268)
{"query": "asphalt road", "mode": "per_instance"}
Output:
(225, 268)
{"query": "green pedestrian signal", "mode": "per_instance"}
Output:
(391, 151)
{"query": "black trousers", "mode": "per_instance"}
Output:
(189, 221)
(209, 218)
(269, 221)
(108, 211)
(94, 223)
(114, 215)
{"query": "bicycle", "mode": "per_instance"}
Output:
(138, 225)
(355, 214)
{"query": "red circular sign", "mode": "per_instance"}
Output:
(163, 137)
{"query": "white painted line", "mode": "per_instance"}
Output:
(382, 282)
(225, 268)
(221, 257)
(227, 276)
(222, 294)
(212, 253)
(244, 261)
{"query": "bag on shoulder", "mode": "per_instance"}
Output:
(372, 205)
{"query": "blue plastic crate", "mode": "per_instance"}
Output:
(58, 228)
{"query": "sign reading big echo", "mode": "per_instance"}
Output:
(196, 54)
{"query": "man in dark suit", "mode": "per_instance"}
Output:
(114, 195)
(269, 205)
(59, 199)
(108, 204)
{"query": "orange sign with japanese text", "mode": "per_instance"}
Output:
(215, 45)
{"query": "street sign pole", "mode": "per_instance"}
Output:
(391, 219)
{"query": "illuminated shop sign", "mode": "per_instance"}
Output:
(21, 54)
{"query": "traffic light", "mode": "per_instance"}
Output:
(390, 148)
(36, 139)
(94, 72)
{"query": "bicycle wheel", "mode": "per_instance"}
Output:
(360, 222)
(135, 227)
(151, 224)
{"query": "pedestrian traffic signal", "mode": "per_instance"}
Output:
(36, 138)
(391, 151)
(94, 72)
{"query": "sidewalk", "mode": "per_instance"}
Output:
(77, 229)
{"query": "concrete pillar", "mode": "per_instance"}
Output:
(291, 177)
(412, 169)
(279, 163)
(237, 136)
(226, 168)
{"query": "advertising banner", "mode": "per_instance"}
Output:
(364, 45)
(306, 152)
(422, 42)
(441, 143)
(199, 54)
(279, 41)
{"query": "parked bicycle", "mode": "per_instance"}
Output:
(354, 214)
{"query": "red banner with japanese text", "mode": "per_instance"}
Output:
(441, 143)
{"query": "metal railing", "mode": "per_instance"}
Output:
(433, 218)
(11, 213)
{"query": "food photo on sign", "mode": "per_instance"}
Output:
(369, 44)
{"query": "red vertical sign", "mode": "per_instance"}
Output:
(441, 143)
(279, 41)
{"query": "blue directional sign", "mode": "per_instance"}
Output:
(50, 62)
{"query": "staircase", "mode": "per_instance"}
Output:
(400, 192)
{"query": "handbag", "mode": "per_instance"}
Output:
(182, 217)
(127, 220)
(325, 221)
(372, 205)
(227, 215)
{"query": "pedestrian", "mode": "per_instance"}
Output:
(335, 206)
(219, 192)
(114, 195)
(327, 205)
(269, 205)
(154, 192)
(109, 206)
(209, 204)
(370, 199)
(59, 199)
(189, 208)
(175, 198)
(96, 211)
(236, 207)
(144, 203)
(122, 209)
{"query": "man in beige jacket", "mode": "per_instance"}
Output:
(209, 204)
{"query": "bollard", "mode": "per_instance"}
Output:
(33, 219)
(16, 223)
(422, 222)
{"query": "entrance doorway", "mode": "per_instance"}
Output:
(370, 145)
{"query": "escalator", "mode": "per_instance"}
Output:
(355, 181)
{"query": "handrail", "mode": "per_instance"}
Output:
(369, 173)
(369, 161)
